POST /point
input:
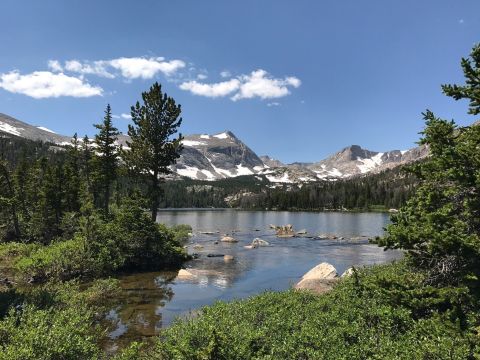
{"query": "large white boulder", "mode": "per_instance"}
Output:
(320, 279)
(323, 270)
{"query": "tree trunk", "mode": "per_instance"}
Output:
(13, 207)
(107, 199)
(155, 194)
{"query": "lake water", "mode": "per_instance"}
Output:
(150, 301)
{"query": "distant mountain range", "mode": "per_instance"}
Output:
(223, 155)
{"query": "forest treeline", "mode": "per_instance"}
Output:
(385, 190)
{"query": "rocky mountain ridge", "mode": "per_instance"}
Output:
(223, 155)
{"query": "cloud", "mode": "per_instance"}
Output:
(273, 104)
(201, 76)
(95, 68)
(225, 74)
(55, 66)
(220, 89)
(126, 116)
(133, 68)
(258, 84)
(461, 21)
(45, 84)
(128, 67)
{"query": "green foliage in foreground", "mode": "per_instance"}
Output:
(47, 334)
(53, 321)
(383, 312)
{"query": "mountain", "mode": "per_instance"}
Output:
(16, 127)
(271, 162)
(223, 155)
(211, 157)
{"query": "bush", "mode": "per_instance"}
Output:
(36, 334)
(181, 232)
(61, 260)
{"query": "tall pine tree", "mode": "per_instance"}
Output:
(106, 159)
(153, 147)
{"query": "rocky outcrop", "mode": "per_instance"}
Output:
(285, 231)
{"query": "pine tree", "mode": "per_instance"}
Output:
(152, 148)
(440, 224)
(8, 199)
(107, 156)
(72, 176)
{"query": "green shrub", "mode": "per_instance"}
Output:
(35, 334)
(61, 260)
(15, 249)
(181, 232)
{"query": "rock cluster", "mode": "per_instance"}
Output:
(285, 231)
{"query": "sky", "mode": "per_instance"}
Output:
(297, 80)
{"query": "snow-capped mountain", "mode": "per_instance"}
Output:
(211, 157)
(223, 155)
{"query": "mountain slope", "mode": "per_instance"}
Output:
(223, 155)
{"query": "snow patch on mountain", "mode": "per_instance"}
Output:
(10, 129)
(46, 129)
(192, 143)
(370, 163)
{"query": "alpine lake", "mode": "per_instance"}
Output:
(150, 301)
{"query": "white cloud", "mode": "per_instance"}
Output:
(211, 90)
(130, 68)
(45, 84)
(225, 74)
(133, 68)
(461, 21)
(55, 66)
(93, 68)
(115, 116)
(126, 116)
(201, 76)
(273, 104)
(258, 84)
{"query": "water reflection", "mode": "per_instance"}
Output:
(150, 301)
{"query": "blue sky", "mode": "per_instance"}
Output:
(297, 80)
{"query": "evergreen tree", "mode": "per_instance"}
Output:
(8, 201)
(440, 225)
(72, 176)
(152, 148)
(107, 156)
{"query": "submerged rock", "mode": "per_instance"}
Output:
(228, 258)
(215, 255)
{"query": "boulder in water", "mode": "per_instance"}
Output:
(259, 242)
(228, 239)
